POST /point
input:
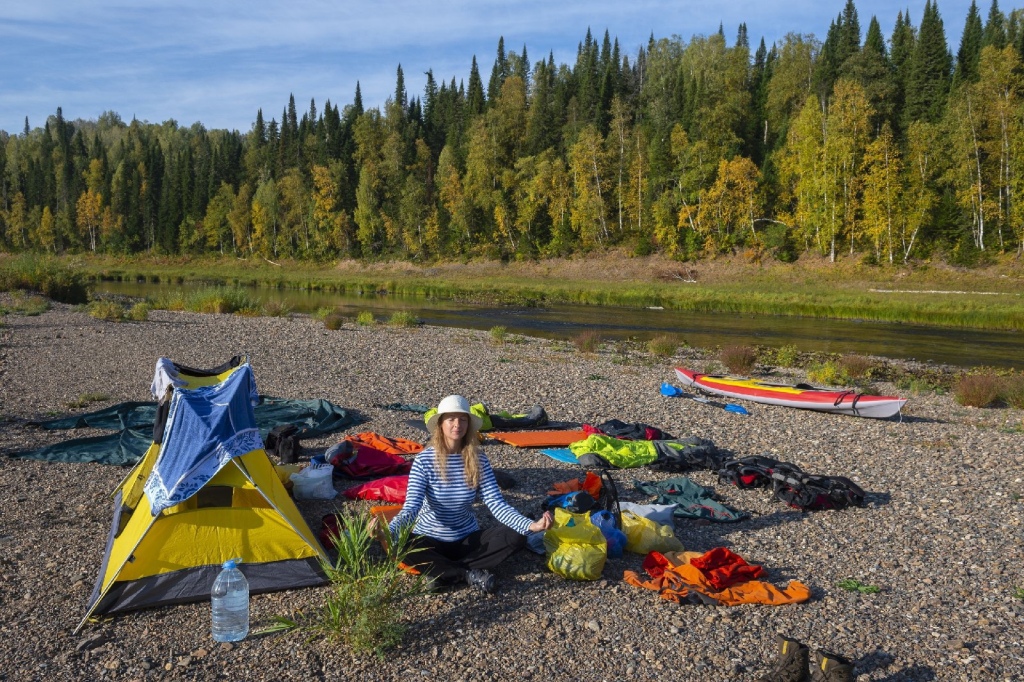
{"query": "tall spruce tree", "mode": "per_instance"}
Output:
(499, 72)
(902, 46)
(475, 91)
(995, 28)
(970, 48)
(929, 70)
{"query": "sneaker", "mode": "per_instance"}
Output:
(481, 579)
(829, 667)
(791, 665)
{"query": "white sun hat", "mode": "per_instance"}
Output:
(454, 404)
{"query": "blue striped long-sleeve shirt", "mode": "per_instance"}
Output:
(442, 508)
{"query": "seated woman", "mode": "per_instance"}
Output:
(445, 480)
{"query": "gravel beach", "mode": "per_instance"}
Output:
(941, 534)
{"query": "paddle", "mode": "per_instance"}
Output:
(671, 391)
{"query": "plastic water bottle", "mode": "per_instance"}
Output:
(229, 602)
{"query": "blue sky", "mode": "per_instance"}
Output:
(217, 63)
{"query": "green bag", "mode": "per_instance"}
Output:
(576, 548)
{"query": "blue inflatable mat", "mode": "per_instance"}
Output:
(561, 455)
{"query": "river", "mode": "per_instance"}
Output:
(961, 347)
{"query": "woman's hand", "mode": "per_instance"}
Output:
(541, 524)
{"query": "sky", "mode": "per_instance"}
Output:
(219, 62)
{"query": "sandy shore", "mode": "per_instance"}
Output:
(941, 535)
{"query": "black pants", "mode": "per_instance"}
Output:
(448, 561)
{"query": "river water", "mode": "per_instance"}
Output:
(965, 348)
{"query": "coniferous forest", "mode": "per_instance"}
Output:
(891, 149)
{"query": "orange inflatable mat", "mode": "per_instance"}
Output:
(538, 439)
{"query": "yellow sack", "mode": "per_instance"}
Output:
(576, 548)
(644, 535)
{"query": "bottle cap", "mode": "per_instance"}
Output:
(231, 563)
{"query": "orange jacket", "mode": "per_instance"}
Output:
(678, 580)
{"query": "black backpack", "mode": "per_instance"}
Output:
(283, 441)
(813, 493)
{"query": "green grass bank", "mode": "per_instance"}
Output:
(937, 295)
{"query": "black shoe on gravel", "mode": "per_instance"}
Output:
(480, 579)
(791, 665)
(829, 667)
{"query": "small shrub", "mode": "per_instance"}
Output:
(321, 313)
(829, 373)
(977, 390)
(1018, 593)
(276, 309)
(222, 301)
(1012, 390)
(366, 319)
(364, 605)
(587, 341)
(28, 304)
(786, 356)
(854, 585)
(45, 274)
(403, 318)
(663, 346)
(738, 359)
(333, 321)
(140, 312)
(110, 311)
(499, 334)
(856, 366)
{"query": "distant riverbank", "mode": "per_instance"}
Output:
(925, 294)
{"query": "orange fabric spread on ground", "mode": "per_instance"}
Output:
(538, 439)
(392, 446)
(676, 577)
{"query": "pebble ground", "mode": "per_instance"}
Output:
(941, 534)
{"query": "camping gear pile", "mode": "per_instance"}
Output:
(205, 491)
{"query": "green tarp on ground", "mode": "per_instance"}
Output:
(694, 500)
(132, 423)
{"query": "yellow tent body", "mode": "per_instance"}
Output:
(242, 512)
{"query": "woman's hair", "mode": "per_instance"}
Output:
(470, 450)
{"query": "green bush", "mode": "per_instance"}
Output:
(499, 334)
(978, 390)
(365, 319)
(110, 311)
(46, 275)
(140, 311)
(403, 318)
(364, 605)
(587, 341)
(27, 304)
(333, 321)
(738, 359)
(829, 373)
(222, 301)
(1012, 390)
(663, 346)
(786, 356)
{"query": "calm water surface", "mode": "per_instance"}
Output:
(899, 341)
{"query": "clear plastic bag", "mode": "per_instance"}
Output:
(314, 483)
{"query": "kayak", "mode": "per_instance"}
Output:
(801, 395)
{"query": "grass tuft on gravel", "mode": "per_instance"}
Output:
(364, 607)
